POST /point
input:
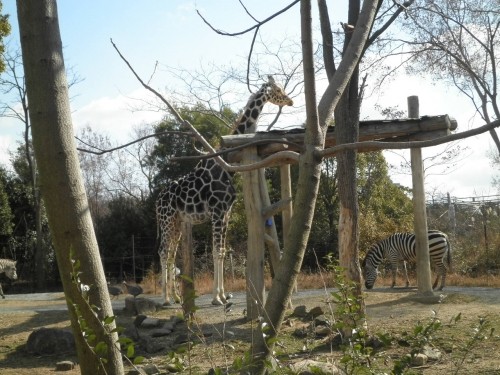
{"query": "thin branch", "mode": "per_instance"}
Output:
(257, 25)
(106, 151)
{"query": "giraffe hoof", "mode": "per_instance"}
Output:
(217, 302)
(167, 303)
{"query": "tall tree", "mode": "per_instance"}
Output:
(5, 211)
(458, 42)
(309, 169)
(4, 31)
(62, 185)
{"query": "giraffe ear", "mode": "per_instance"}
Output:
(270, 78)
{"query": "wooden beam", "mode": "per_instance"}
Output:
(411, 129)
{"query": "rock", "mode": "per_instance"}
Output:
(65, 366)
(432, 353)
(300, 311)
(316, 311)
(419, 360)
(141, 306)
(310, 367)
(321, 320)
(151, 369)
(149, 345)
(150, 323)
(161, 332)
(300, 333)
(322, 331)
(132, 333)
(49, 341)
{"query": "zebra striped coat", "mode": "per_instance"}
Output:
(401, 247)
(8, 267)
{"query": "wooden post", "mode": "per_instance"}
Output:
(187, 273)
(256, 234)
(269, 228)
(286, 214)
(419, 211)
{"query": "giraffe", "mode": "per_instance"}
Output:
(207, 193)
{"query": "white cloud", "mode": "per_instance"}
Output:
(116, 116)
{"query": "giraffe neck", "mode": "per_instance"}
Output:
(247, 122)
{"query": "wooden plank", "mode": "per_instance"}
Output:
(418, 129)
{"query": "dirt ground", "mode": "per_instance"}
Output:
(223, 336)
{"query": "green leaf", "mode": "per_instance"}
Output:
(130, 351)
(138, 360)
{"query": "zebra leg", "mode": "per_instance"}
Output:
(394, 270)
(406, 275)
(1, 292)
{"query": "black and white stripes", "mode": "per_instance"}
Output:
(401, 247)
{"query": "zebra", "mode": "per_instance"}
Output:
(401, 247)
(8, 267)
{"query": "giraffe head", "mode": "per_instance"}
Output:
(276, 94)
(269, 92)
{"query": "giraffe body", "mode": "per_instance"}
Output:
(206, 194)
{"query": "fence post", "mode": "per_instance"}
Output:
(419, 211)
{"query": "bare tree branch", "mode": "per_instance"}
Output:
(257, 25)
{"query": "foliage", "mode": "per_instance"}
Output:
(385, 207)
(5, 210)
(107, 325)
(169, 145)
(4, 31)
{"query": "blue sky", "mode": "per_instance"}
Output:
(171, 33)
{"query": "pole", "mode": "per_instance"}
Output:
(419, 211)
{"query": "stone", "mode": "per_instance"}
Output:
(141, 306)
(150, 323)
(419, 359)
(322, 331)
(321, 320)
(151, 369)
(432, 354)
(49, 341)
(65, 366)
(161, 332)
(300, 311)
(310, 367)
(316, 311)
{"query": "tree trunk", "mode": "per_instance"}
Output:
(61, 182)
(347, 131)
(309, 176)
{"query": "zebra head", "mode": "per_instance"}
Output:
(10, 271)
(369, 271)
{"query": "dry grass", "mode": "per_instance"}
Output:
(203, 282)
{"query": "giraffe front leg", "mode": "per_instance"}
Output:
(172, 273)
(219, 297)
(164, 290)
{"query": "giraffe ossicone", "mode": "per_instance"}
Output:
(207, 193)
